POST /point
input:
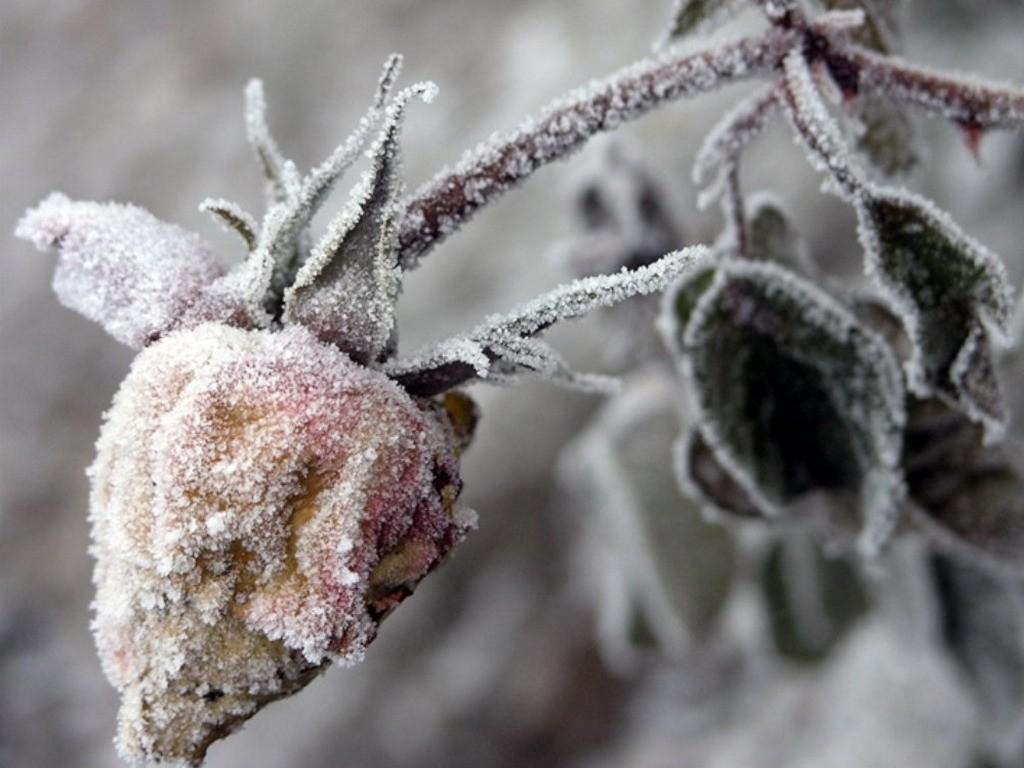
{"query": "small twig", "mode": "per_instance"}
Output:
(808, 115)
(967, 101)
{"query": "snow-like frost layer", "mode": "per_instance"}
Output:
(259, 503)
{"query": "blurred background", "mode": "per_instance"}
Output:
(522, 649)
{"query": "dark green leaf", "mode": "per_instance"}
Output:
(794, 395)
(951, 293)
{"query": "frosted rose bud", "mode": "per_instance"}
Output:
(259, 504)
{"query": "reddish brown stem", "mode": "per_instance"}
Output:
(485, 174)
(981, 105)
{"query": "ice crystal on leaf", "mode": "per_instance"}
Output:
(834, 389)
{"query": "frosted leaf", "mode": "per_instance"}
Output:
(690, 17)
(487, 172)
(967, 496)
(119, 265)
(812, 599)
(951, 293)
(794, 395)
(513, 356)
(233, 218)
(259, 504)
(346, 291)
(772, 237)
(657, 573)
(502, 339)
(982, 623)
(720, 152)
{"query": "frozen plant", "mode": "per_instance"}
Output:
(274, 476)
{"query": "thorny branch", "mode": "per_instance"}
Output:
(484, 174)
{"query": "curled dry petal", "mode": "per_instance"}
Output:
(119, 265)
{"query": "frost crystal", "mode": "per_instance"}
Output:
(259, 504)
(120, 266)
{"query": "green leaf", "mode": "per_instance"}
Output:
(795, 396)
(951, 293)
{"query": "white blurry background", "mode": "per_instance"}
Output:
(493, 661)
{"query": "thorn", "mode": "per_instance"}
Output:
(972, 134)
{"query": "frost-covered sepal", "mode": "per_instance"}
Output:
(951, 293)
(120, 266)
(345, 293)
(794, 396)
(504, 347)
